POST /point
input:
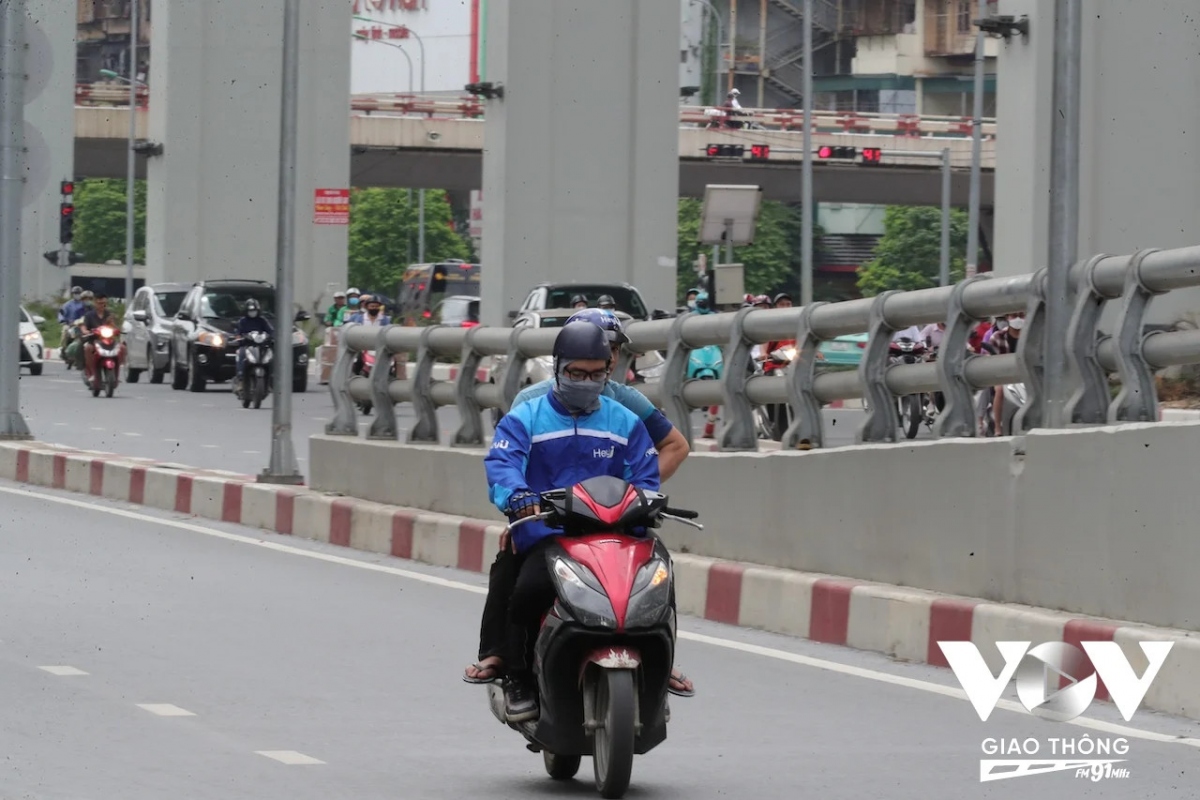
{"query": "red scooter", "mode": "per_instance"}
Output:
(363, 366)
(604, 653)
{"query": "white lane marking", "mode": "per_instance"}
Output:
(289, 757)
(131, 433)
(210, 446)
(63, 672)
(172, 441)
(60, 424)
(728, 644)
(250, 452)
(97, 429)
(165, 710)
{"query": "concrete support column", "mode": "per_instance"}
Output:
(581, 170)
(214, 106)
(49, 139)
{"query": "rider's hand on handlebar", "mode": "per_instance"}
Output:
(524, 504)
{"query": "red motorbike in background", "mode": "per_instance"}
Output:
(107, 342)
(604, 652)
(912, 407)
(363, 366)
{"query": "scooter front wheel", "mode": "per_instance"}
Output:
(614, 738)
(561, 768)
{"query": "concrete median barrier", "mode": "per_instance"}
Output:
(901, 622)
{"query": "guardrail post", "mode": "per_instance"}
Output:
(674, 375)
(882, 423)
(384, 424)
(514, 370)
(470, 431)
(1031, 356)
(1089, 404)
(738, 432)
(345, 420)
(808, 424)
(425, 428)
(1138, 398)
(957, 417)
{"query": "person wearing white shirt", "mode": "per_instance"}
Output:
(933, 334)
(912, 332)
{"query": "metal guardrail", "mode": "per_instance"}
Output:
(1131, 352)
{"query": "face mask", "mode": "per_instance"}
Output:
(580, 397)
(1016, 323)
(252, 312)
(353, 301)
(691, 304)
(374, 312)
(87, 303)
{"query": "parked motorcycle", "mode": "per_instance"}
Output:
(107, 342)
(911, 406)
(256, 377)
(605, 649)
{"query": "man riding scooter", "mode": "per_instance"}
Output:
(555, 441)
(98, 316)
(251, 321)
(672, 449)
(70, 311)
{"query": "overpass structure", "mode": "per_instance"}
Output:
(407, 141)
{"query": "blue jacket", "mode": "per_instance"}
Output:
(361, 318)
(539, 446)
(71, 311)
(248, 324)
(657, 424)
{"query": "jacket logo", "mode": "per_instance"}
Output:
(601, 453)
(500, 444)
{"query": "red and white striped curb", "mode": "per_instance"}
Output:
(897, 621)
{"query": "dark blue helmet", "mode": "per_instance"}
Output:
(581, 341)
(606, 320)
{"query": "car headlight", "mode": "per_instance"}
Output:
(211, 339)
(651, 595)
(582, 592)
(298, 337)
(32, 336)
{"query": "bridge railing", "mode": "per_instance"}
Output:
(1128, 282)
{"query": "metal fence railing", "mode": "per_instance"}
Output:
(1133, 352)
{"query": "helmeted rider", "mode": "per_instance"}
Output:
(672, 449)
(351, 308)
(703, 306)
(74, 308)
(372, 313)
(96, 317)
(579, 302)
(551, 442)
(731, 99)
(606, 302)
(251, 321)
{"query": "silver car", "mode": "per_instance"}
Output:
(147, 330)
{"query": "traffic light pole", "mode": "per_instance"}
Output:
(976, 161)
(131, 156)
(806, 187)
(12, 145)
(283, 467)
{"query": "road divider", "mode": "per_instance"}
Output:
(897, 621)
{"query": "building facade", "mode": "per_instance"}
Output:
(102, 38)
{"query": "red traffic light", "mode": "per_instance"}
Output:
(760, 152)
(872, 155)
(826, 151)
(67, 209)
(725, 150)
(67, 187)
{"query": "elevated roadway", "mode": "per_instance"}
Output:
(425, 150)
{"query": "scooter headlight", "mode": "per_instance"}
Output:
(578, 587)
(651, 595)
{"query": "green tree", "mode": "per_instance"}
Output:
(772, 263)
(100, 220)
(383, 226)
(909, 254)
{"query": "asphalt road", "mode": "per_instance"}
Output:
(211, 430)
(148, 656)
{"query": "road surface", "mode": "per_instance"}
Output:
(145, 655)
(211, 430)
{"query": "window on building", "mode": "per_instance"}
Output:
(964, 16)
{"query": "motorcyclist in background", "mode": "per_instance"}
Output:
(372, 313)
(537, 448)
(68, 313)
(96, 317)
(672, 448)
(251, 321)
(1002, 340)
(606, 302)
(579, 302)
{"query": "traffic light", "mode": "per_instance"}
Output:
(67, 187)
(872, 155)
(725, 150)
(66, 230)
(837, 152)
(760, 152)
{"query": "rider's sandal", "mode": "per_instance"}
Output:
(680, 692)
(490, 669)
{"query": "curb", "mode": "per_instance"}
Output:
(1178, 415)
(900, 622)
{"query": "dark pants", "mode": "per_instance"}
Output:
(532, 595)
(494, 627)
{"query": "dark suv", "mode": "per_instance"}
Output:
(201, 350)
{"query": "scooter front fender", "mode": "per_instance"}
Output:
(611, 657)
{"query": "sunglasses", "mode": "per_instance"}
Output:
(583, 375)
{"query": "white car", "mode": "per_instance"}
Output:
(33, 347)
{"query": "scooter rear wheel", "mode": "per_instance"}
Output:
(614, 739)
(561, 768)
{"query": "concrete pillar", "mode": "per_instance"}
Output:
(215, 108)
(1140, 139)
(581, 169)
(49, 140)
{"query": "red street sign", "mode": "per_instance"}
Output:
(331, 207)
